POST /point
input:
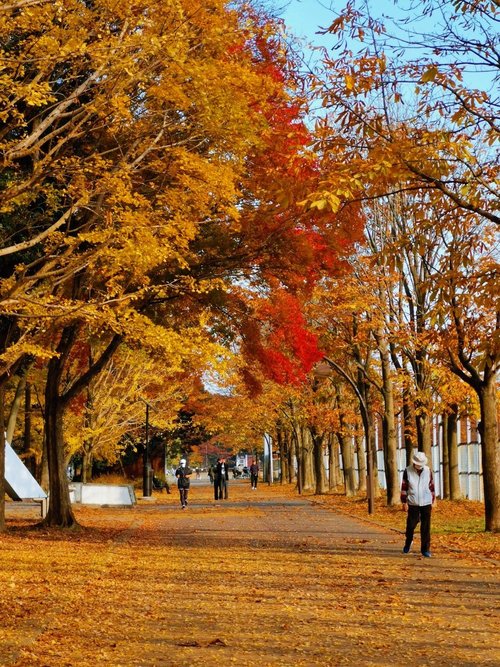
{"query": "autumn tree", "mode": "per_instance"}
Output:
(468, 324)
(128, 136)
(422, 124)
(425, 125)
(112, 405)
(138, 145)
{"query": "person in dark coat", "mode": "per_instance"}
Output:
(254, 474)
(221, 478)
(183, 473)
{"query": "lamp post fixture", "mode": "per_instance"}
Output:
(147, 473)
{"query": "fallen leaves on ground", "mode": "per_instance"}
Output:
(457, 526)
(265, 578)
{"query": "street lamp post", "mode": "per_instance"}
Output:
(147, 476)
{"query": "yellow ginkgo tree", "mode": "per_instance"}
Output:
(127, 137)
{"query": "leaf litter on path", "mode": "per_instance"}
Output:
(259, 581)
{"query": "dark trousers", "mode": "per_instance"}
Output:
(220, 488)
(254, 479)
(416, 514)
(183, 494)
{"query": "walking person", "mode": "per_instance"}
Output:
(254, 474)
(216, 480)
(221, 479)
(417, 496)
(183, 473)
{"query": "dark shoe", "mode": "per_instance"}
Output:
(426, 554)
(406, 548)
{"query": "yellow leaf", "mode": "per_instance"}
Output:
(429, 75)
(349, 81)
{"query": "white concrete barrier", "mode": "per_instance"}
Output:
(102, 494)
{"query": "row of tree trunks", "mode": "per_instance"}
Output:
(306, 446)
(309, 445)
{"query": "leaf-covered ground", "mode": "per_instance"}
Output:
(457, 526)
(264, 578)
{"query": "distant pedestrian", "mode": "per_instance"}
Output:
(183, 473)
(254, 474)
(221, 478)
(417, 496)
(211, 474)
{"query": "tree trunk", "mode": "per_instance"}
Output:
(87, 460)
(30, 459)
(361, 457)
(409, 425)
(290, 463)
(333, 463)
(60, 513)
(43, 475)
(446, 457)
(424, 438)
(347, 464)
(319, 465)
(14, 409)
(390, 461)
(452, 442)
(372, 451)
(389, 428)
(490, 453)
(336, 473)
(307, 461)
(330, 447)
(283, 447)
(298, 458)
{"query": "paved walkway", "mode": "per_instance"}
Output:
(263, 580)
(389, 608)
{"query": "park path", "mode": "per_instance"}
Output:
(260, 579)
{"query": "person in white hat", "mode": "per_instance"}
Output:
(417, 496)
(183, 473)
